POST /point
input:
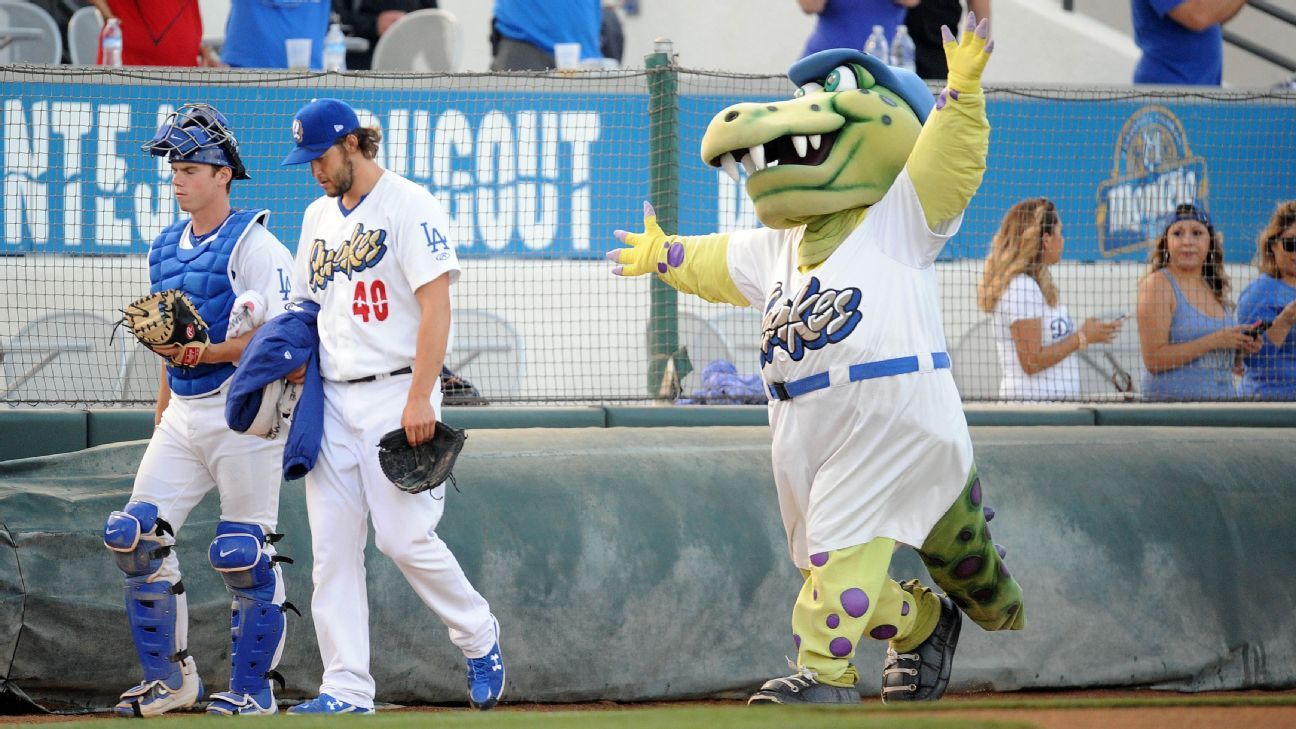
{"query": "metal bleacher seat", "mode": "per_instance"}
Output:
(425, 41)
(83, 35)
(67, 356)
(487, 351)
(28, 34)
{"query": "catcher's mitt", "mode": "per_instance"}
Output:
(165, 319)
(425, 466)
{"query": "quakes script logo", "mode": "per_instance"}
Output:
(1154, 170)
(364, 249)
(813, 319)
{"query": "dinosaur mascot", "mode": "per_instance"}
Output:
(860, 179)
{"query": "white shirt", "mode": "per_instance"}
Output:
(1024, 300)
(879, 457)
(363, 266)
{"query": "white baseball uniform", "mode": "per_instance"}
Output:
(362, 266)
(192, 449)
(880, 457)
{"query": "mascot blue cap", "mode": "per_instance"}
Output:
(905, 84)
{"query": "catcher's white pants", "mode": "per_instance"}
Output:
(347, 484)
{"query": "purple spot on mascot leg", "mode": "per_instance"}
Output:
(833, 621)
(855, 602)
(975, 496)
(661, 268)
(840, 647)
(675, 256)
(884, 632)
(1002, 552)
(796, 639)
(988, 513)
(819, 560)
(904, 609)
(815, 594)
(968, 567)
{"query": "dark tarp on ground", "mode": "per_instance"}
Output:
(650, 563)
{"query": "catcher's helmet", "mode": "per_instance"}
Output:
(198, 133)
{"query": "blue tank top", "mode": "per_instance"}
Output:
(1210, 376)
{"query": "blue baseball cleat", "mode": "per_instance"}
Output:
(486, 677)
(324, 705)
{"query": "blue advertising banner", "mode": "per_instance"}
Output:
(551, 175)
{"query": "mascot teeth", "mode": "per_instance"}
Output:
(815, 141)
(729, 165)
(756, 153)
(799, 143)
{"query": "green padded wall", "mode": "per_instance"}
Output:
(650, 563)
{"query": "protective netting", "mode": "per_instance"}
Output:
(536, 172)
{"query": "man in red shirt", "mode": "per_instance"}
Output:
(159, 32)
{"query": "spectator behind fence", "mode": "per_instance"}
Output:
(847, 23)
(924, 21)
(1182, 40)
(1271, 300)
(1188, 334)
(257, 29)
(524, 32)
(169, 33)
(369, 19)
(1034, 333)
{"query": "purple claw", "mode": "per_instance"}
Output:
(648, 210)
(983, 28)
(990, 47)
(954, 94)
(971, 21)
(620, 235)
(618, 270)
(614, 255)
(941, 99)
(947, 35)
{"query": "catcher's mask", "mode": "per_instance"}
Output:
(197, 133)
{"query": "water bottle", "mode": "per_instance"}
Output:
(110, 43)
(902, 50)
(335, 49)
(876, 45)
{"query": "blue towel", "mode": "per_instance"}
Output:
(722, 385)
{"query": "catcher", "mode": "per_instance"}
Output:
(214, 276)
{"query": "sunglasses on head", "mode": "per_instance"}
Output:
(1288, 244)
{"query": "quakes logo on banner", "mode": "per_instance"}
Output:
(1154, 171)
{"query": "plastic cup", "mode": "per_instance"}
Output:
(299, 53)
(567, 56)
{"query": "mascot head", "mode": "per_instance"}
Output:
(838, 144)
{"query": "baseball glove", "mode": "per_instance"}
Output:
(415, 469)
(165, 319)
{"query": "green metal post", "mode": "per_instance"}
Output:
(663, 191)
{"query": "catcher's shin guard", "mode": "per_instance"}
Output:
(245, 558)
(155, 601)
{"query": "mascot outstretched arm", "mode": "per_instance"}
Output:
(860, 179)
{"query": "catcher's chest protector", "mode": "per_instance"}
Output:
(201, 272)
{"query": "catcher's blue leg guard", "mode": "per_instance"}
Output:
(156, 609)
(245, 557)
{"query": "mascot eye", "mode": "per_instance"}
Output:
(810, 88)
(842, 78)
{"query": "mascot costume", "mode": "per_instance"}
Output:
(860, 180)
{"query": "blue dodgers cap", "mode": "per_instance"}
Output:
(906, 84)
(317, 126)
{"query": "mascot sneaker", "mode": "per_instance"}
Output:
(180, 690)
(325, 704)
(923, 674)
(228, 703)
(486, 677)
(802, 688)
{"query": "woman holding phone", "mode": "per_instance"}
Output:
(1271, 300)
(1188, 334)
(1034, 333)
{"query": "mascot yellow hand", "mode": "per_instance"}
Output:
(967, 57)
(645, 254)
